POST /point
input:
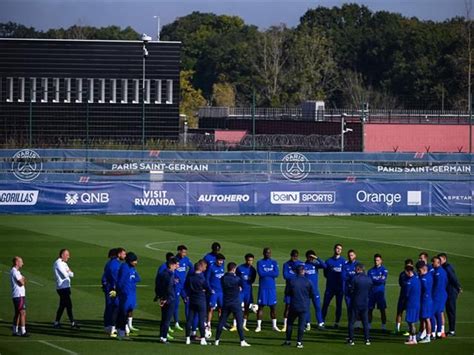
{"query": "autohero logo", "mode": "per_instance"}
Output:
(302, 197)
(73, 197)
(18, 197)
(295, 167)
(26, 165)
(222, 198)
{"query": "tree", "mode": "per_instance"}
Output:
(191, 98)
(223, 93)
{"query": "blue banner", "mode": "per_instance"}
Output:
(238, 198)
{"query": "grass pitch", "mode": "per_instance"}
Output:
(38, 239)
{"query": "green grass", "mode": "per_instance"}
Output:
(38, 238)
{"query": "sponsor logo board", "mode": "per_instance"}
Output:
(302, 197)
(26, 165)
(18, 197)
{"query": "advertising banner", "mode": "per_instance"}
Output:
(238, 198)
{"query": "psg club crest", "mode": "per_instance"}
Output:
(26, 165)
(295, 166)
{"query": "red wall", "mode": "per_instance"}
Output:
(416, 138)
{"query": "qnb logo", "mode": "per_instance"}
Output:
(73, 198)
(372, 197)
(295, 166)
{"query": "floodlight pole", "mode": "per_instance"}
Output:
(342, 132)
(158, 27)
(145, 54)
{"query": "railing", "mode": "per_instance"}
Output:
(372, 115)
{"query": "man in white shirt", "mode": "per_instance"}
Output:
(18, 282)
(63, 275)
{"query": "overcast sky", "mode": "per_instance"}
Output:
(45, 14)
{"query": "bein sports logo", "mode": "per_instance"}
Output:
(302, 197)
(295, 166)
(26, 165)
(72, 197)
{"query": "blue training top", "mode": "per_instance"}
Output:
(127, 280)
(248, 274)
(268, 271)
(335, 273)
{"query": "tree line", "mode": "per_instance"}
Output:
(343, 55)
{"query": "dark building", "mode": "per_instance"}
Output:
(54, 92)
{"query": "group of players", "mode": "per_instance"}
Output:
(426, 290)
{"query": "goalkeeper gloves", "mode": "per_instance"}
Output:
(113, 294)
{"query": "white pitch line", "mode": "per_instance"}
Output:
(355, 238)
(57, 347)
(97, 286)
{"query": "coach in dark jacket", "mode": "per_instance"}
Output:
(231, 287)
(165, 294)
(359, 289)
(300, 290)
(454, 289)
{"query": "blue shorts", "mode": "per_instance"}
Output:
(216, 300)
(438, 307)
(412, 315)
(267, 297)
(426, 310)
(127, 304)
(401, 305)
(246, 297)
(377, 299)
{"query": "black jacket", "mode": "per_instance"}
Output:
(299, 289)
(231, 286)
(359, 289)
(453, 283)
(196, 288)
(164, 286)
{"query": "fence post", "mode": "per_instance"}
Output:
(30, 121)
(470, 126)
(253, 119)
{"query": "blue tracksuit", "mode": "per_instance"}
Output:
(127, 280)
(180, 273)
(440, 296)
(299, 290)
(210, 259)
(109, 283)
(413, 299)
(359, 289)
(247, 274)
(214, 279)
(197, 288)
(378, 276)
(165, 291)
(162, 268)
(311, 273)
(268, 271)
(426, 309)
(349, 273)
(231, 285)
(289, 272)
(335, 276)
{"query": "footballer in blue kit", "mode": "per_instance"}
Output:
(184, 266)
(268, 271)
(378, 274)
(349, 273)
(311, 266)
(440, 295)
(127, 280)
(248, 275)
(413, 300)
(401, 303)
(214, 275)
(109, 286)
(289, 273)
(335, 276)
(211, 257)
(426, 306)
